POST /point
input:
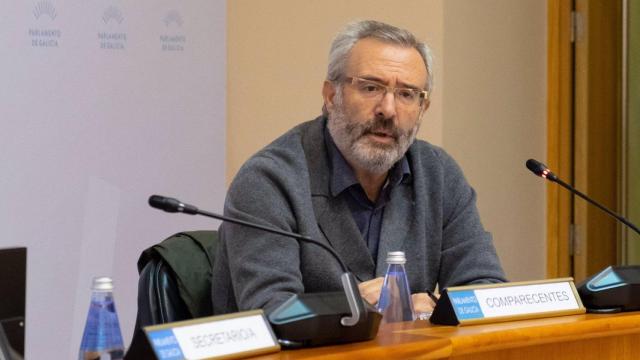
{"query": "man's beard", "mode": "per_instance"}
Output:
(351, 139)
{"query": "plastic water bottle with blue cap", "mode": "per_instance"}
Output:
(102, 338)
(395, 302)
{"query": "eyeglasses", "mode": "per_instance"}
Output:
(374, 90)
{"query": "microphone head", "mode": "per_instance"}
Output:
(164, 203)
(540, 169)
(536, 166)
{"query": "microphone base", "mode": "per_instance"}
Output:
(313, 319)
(614, 289)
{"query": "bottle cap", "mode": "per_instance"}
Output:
(102, 284)
(396, 257)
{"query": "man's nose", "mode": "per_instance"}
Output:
(386, 107)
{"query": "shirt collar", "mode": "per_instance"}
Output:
(342, 175)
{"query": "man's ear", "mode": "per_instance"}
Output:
(328, 92)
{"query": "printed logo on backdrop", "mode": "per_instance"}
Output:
(174, 39)
(111, 38)
(44, 34)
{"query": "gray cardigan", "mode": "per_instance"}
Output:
(432, 218)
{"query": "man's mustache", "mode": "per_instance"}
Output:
(381, 125)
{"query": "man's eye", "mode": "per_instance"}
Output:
(370, 88)
(406, 93)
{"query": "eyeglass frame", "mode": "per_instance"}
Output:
(422, 94)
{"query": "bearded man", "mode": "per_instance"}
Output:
(357, 180)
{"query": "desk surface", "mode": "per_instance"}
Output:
(589, 336)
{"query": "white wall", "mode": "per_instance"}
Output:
(89, 133)
(494, 110)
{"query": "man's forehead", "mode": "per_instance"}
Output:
(386, 61)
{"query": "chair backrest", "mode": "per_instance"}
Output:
(174, 283)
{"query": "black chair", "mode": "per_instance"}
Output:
(174, 284)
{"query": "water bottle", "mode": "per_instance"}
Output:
(395, 302)
(102, 338)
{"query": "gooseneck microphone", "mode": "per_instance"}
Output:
(172, 205)
(541, 170)
(317, 326)
(614, 289)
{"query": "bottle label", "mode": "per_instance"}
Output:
(102, 329)
(395, 301)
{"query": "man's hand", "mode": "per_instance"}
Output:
(370, 290)
(422, 303)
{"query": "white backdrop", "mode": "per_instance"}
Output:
(103, 103)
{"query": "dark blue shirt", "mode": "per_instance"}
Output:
(366, 214)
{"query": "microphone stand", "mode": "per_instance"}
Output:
(614, 289)
(541, 170)
(349, 283)
(358, 313)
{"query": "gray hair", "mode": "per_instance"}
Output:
(347, 38)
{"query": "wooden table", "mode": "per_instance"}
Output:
(588, 336)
